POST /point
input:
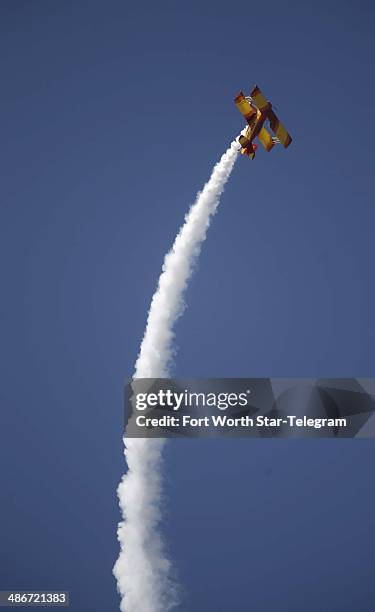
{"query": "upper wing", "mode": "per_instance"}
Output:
(266, 139)
(280, 131)
(245, 107)
(259, 99)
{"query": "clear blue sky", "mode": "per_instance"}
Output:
(113, 114)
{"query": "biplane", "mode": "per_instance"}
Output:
(257, 110)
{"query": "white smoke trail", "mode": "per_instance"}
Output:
(143, 571)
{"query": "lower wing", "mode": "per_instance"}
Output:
(266, 139)
(279, 130)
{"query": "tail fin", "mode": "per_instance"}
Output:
(248, 151)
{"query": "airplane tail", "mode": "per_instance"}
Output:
(249, 151)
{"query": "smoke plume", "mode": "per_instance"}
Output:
(143, 571)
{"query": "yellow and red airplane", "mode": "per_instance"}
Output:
(256, 110)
